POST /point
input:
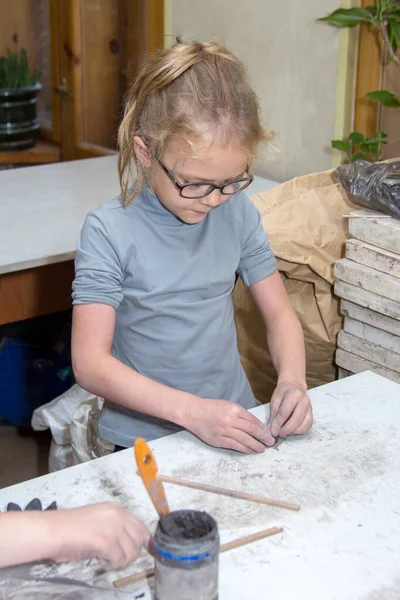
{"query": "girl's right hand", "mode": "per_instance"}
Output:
(225, 424)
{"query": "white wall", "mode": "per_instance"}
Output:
(292, 62)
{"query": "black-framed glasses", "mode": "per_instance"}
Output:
(203, 189)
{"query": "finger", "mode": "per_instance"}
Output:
(105, 564)
(306, 424)
(112, 557)
(258, 431)
(231, 444)
(250, 418)
(289, 402)
(270, 440)
(296, 418)
(114, 552)
(245, 439)
(130, 544)
(244, 420)
(138, 531)
(129, 550)
(274, 404)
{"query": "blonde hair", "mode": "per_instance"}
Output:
(183, 91)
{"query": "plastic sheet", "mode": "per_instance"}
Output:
(57, 414)
(73, 419)
(20, 587)
(83, 580)
(372, 185)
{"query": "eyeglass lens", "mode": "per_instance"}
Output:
(198, 190)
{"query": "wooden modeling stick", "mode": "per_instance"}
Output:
(248, 539)
(367, 217)
(226, 492)
(205, 487)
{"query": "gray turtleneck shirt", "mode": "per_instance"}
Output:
(171, 285)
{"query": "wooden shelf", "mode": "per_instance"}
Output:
(35, 292)
(42, 152)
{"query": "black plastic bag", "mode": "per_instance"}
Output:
(372, 185)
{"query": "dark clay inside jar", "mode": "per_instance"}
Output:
(187, 525)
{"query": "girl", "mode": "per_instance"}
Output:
(153, 322)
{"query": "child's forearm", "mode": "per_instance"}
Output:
(284, 333)
(109, 378)
(105, 531)
(286, 345)
(25, 537)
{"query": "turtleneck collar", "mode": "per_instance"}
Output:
(149, 202)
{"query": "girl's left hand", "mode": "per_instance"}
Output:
(290, 410)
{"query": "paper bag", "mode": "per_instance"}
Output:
(304, 222)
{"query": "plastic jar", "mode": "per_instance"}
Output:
(186, 545)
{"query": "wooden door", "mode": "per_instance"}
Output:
(87, 50)
(370, 117)
(100, 45)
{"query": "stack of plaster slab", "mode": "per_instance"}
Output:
(368, 281)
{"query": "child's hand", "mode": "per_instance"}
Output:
(224, 424)
(290, 410)
(104, 531)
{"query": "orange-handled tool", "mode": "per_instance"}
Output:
(148, 470)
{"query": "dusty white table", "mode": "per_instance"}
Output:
(42, 210)
(344, 543)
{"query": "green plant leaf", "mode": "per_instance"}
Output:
(384, 97)
(372, 10)
(380, 139)
(381, 134)
(2, 71)
(35, 77)
(392, 40)
(358, 155)
(14, 70)
(24, 69)
(394, 34)
(390, 7)
(370, 146)
(341, 145)
(349, 17)
(356, 138)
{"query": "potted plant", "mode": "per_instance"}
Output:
(19, 87)
(383, 17)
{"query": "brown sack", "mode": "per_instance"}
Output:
(304, 222)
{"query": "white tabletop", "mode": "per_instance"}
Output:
(42, 208)
(342, 545)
